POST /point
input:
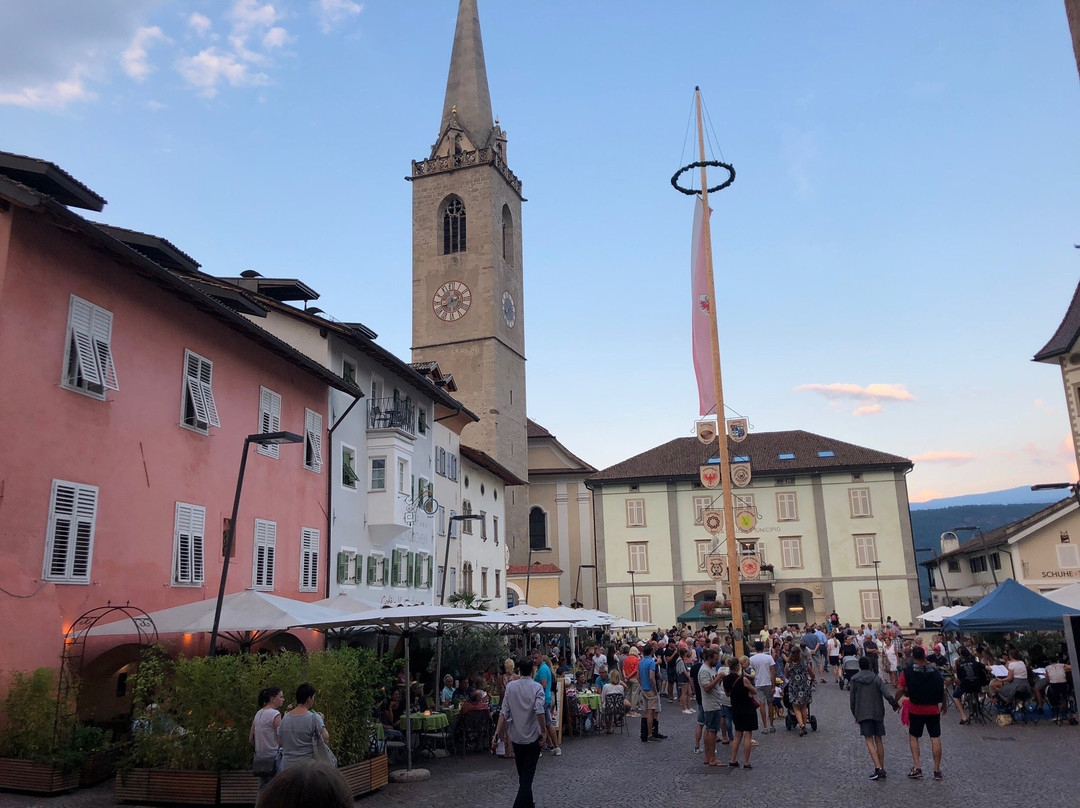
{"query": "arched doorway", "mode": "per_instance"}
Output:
(796, 606)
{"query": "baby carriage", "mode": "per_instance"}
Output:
(790, 721)
(849, 666)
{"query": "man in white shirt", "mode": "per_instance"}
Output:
(764, 668)
(523, 715)
(599, 660)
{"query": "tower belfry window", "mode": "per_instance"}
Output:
(453, 224)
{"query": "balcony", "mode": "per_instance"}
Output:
(392, 413)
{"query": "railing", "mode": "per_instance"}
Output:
(763, 575)
(392, 413)
(450, 162)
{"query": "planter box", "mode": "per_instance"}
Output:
(239, 788)
(98, 767)
(367, 775)
(167, 786)
(36, 778)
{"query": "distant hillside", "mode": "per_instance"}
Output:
(1009, 496)
(928, 525)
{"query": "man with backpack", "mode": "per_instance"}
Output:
(971, 677)
(924, 686)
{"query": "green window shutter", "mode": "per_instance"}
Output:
(343, 568)
(358, 569)
(429, 563)
(371, 570)
(395, 573)
(386, 572)
(409, 572)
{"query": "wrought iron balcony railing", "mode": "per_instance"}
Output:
(392, 413)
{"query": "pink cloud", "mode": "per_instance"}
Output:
(926, 495)
(867, 409)
(872, 392)
(948, 458)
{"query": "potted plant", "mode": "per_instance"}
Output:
(36, 753)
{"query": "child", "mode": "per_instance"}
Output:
(778, 699)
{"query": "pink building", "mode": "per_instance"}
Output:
(126, 398)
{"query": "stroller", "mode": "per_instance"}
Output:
(849, 666)
(790, 721)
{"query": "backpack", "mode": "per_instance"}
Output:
(971, 673)
(924, 685)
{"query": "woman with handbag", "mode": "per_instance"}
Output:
(303, 732)
(264, 735)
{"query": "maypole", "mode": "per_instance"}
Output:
(735, 589)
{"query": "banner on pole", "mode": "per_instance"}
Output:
(701, 319)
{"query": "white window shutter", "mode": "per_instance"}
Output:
(309, 559)
(82, 325)
(101, 332)
(269, 418)
(70, 541)
(313, 451)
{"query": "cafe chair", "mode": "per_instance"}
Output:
(613, 713)
(474, 731)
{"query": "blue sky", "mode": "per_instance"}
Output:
(897, 245)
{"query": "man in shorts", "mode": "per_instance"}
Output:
(924, 686)
(867, 702)
(649, 676)
(764, 668)
(710, 682)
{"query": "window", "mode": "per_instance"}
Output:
(483, 582)
(312, 440)
(995, 561)
(702, 551)
(466, 510)
(453, 580)
(348, 566)
(787, 506)
(440, 461)
(88, 361)
(791, 552)
(507, 235)
(399, 570)
(349, 477)
(495, 528)
(1068, 556)
(403, 476)
(977, 563)
(700, 504)
(954, 565)
(466, 577)
(538, 538)
(348, 371)
(642, 608)
(639, 556)
(860, 502)
(378, 474)
(744, 501)
(826, 453)
(752, 547)
(785, 456)
(199, 411)
(189, 533)
(378, 572)
(498, 584)
(871, 607)
(442, 521)
(451, 466)
(262, 573)
(865, 550)
(309, 559)
(69, 543)
(635, 513)
(453, 226)
(269, 419)
(483, 526)
(442, 580)
(421, 420)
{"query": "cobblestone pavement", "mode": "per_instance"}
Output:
(831, 765)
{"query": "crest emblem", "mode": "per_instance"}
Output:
(740, 474)
(706, 431)
(749, 567)
(713, 519)
(710, 475)
(738, 428)
(704, 306)
(745, 520)
(716, 566)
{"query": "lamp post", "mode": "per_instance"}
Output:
(577, 588)
(461, 517)
(989, 561)
(877, 583)
(262, 439)
(633, 595)
(937, 566)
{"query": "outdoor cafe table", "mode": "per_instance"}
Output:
(590, 700)
(451, 713)
(427, 723)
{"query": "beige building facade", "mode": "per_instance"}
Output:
(816, 516)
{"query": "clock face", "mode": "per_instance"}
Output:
(451, 301)
(509, 311)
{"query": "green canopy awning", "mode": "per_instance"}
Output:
(695, 615)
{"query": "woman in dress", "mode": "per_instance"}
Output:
(682, 679)
(892, 661)
(264, 730)
(740, 688)
(832, 648)
(300, 728)
(800, 678)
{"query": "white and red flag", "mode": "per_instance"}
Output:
(701, 322)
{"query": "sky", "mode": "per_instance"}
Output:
(897, 245)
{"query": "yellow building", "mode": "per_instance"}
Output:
(830, 530)
(537, 585)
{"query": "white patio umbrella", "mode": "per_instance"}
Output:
(623, 623)
(403, 621)
(246, 617)
(940, 613)
(1066, 596)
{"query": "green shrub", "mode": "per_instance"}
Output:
(39, 730)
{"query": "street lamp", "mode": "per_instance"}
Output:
(877, 583)
(577, 589)
(937, 566)
(989, 561)
(262, 439)
(633, 595)
(446, 559)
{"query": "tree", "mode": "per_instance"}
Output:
(467, 599)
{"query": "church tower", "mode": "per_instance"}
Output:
(468, 312)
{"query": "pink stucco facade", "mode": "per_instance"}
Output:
(131, 445)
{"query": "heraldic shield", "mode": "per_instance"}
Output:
(713, 519)
(706, 431)
(740, 474)
(738, 429)
(710, 475)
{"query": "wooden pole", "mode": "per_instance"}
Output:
(721, 423)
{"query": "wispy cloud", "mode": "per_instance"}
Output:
(52, 95)
(135, 58)
(867, 409)
(331, 13)
(926, 495)
(945, 457)
(200, 24)
(872, 396)
(209, 68)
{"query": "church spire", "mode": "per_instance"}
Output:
(467, 87)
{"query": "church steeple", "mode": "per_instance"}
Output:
(468, 104)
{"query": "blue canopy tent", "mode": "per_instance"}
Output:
(1011, 607)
